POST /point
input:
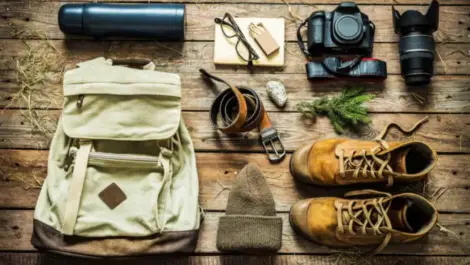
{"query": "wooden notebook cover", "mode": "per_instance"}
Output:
(224, 48)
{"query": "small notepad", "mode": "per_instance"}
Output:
(224, 48)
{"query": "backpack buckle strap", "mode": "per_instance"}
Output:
(167, 153)
(164, 159)
(76, 186)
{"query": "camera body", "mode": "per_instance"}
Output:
(345, 30)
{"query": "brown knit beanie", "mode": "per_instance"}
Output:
(251, 224)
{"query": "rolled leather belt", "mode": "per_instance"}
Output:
(240, 110)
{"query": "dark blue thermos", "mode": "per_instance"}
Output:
(164, 22)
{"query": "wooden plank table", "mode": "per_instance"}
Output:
(23, 149)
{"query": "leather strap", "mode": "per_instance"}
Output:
(240, 109)
(76, 186)
(300, 41)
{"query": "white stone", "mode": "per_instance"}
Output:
(277, 93)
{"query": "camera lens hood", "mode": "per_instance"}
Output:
(416, 43)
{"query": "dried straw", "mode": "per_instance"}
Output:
(34, 76)
(291, 13)
(353, 257)
(418, 98)
(224, 188)
(34, 97)
(442, 61)
(447, 231)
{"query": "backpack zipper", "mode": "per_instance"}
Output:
(119, 157)
(100, 157)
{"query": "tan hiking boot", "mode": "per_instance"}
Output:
(377, 220)
(346, 161)
(340, 161)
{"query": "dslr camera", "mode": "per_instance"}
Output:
(345, 30)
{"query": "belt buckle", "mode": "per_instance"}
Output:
(270, 136)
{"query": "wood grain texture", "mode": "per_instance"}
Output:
(452, 173)
(448, 132)
(9, 258)
(445, 94)
(189, 57)
(40, 15)
(444, 132)
(16, 229)
(25, 3)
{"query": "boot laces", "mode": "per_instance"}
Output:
(374, 165)
(368, 165)
(372, 215)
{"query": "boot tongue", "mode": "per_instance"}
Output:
(398, 217)
(399, 160)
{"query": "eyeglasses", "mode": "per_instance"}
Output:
(231, 30)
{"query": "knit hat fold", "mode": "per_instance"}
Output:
(250, 224)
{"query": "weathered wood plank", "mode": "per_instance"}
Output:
(447, 94)
(189, 57)
(42, 16)
(16, 228)
(445, 132)
(292, 2)
(43, 259)
(21, 168)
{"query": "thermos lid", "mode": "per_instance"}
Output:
(71, 19)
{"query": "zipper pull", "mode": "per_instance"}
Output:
(80, 101)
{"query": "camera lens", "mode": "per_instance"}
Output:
(417, 57)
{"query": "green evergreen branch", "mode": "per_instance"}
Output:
(344, 110)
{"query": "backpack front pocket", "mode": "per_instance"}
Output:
(120, 195)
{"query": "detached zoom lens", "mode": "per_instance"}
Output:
(417, 58)
(417, 43)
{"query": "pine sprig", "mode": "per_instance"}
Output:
(344, 110)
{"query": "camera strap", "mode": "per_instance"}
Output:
(300, 41)
(332, 67)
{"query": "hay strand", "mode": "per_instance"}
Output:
(447, 231)
(36, 72)
(293, 15)
(418, 98)
(442, 61)
(224, 188)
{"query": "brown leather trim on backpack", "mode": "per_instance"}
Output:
(47, 238)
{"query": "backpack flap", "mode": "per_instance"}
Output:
(109, 102)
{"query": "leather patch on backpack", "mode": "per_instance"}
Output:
(112, 196)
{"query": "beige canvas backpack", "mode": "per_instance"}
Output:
(122, 176)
